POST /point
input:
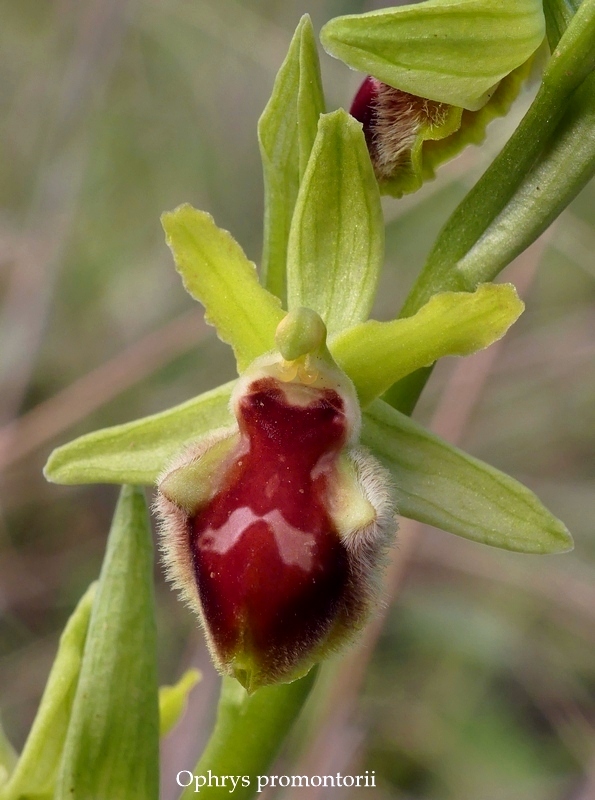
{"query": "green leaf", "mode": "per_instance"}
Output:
(286, 133)
(336, 242)
(452, 51)
(440, 485)
(36, 770)
(216, 272)
(112, 746)
(173, 700)
(377, 354)
(138, 451)
(248, 734)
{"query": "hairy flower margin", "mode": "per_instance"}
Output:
(274, 529)
(277, 582)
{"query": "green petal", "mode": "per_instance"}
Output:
(216, 272)
(112, 746)
(377, 354)
(336, 243)
(37, 767)
(286, 133)
(173, 700)
(452, 51)
(138, 451)
(440, 485)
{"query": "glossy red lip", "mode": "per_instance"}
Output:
(273, 529)
(270, 566)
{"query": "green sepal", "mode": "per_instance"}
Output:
(174, 699)
(451, 51)
(136, 452)
(440, 485)
(286, 133)
(336, 242)
(437, 143)
(377, 354)
(216, 272)
(37, 768)
(248, 734)
(112, 745)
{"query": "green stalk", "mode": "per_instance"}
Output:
(248, 734)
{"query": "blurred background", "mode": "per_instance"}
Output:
(477, 682)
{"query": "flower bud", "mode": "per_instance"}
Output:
(409, 136)
(274, 528)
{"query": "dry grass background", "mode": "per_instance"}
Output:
(478, 682)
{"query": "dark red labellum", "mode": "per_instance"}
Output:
(271, 569)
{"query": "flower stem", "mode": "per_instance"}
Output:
(248, 734)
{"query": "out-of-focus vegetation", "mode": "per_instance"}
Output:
(482, 683)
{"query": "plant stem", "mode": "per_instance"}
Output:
(248, 734)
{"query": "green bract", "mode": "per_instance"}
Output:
(451, 51)
(36, 770)
(173, 700)
(114, 723)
